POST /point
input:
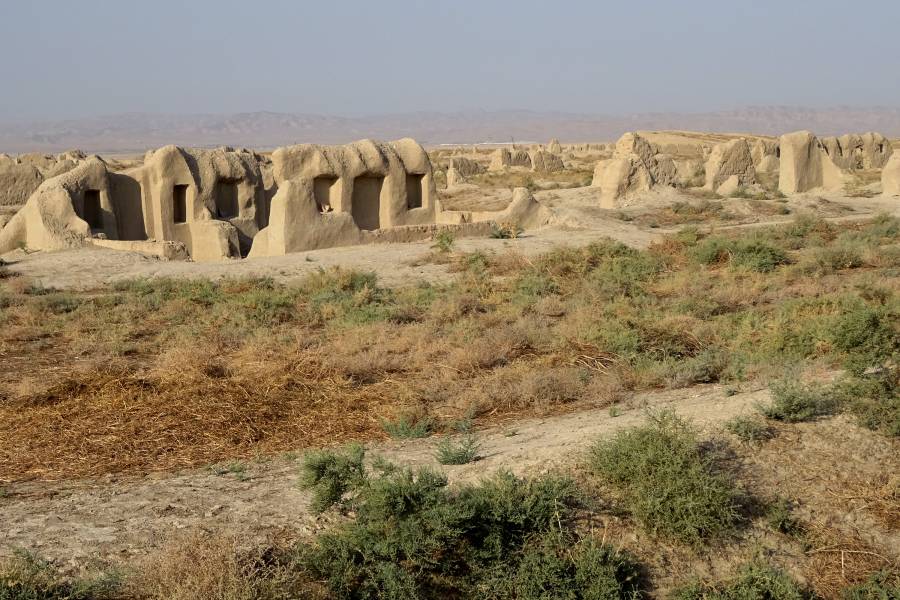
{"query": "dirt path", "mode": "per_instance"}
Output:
(118, 519)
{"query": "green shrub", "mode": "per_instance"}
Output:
(461, 452)
(779, 516)
(347, 296)
(711, 251)
(331, 474)
(868, 336)
(27, 577)
(881, 585)
(443, 241)
(757, 255)
(874, 400)
(794, 402)
(408, 427)
(667, 483)
(754, 581)
(531, 286)
(838, 256)
(551, 568)
(413, 537)
(754, 253)
(749, 429)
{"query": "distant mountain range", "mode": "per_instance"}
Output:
(136, 132)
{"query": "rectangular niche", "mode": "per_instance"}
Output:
(179, 203)
(226, 199)
(92, 213)
(414, 190)
(366, 201)
(323, 188)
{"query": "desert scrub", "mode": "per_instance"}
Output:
(794, 402)
(413, 537)
(755, 580)
(409, 427)
(749, 428)
(868, 336)
(27, 577)
(443, 241)
(459, 451)
(873, 399)
(881, 585)
(751, 253)
(779, 516)
(666, 481)
(331, 474)
(553, 566)
(506, 231)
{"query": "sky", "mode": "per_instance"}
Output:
(68, 59)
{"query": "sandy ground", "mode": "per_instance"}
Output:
(577, 220)
(116, 518)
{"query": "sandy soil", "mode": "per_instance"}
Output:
(116, 517)
(829, 467)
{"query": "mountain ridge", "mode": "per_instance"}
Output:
(137, 132)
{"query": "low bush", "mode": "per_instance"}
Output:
(27, 577)
(882, 585)
(666, 481)
(457, 452)
(331, 474)
(749, 429)
(443, 241)
(874, 400)
(757, 255)
(409, 427)
(867, 336)
(779, 516)
(553, 566)
(794, 402)
(754, 581)
(413, 537)
(751, 253)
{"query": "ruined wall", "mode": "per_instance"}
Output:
(633, 167)
(858, 151)
(384, 185)
(804, 165)
(730, 165)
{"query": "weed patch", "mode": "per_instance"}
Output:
(667, 482)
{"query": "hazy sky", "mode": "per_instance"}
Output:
(86, 57)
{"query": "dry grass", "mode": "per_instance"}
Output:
(166, 375)
(838, 559)
(201, 565)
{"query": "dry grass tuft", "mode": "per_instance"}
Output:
(839, 559)
(202, 565)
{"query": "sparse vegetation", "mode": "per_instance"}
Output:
(443, 241)
(330, 475)
(504, 538)
(881, 585)
(508, 336)
(460, 451)
(780, 517)
(27, 577)
(749, 429)
(409, 427)
(506, 231)
(755, 580)
(666, 481)
(794, 402)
